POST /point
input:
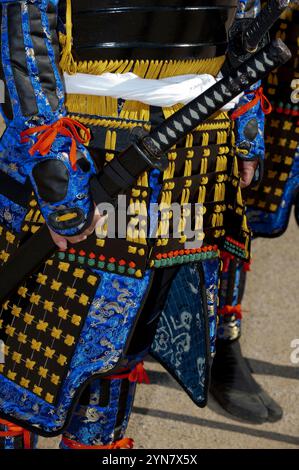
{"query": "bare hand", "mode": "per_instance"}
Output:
(62, 241)
(247, 171)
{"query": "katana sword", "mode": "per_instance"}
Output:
(247, 35)
(146, 152)
(262, 24)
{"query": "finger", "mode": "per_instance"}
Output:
(247, 173)
(87, 232)
(59, 240)
(96, 219)
(77, 238)
(246, 178)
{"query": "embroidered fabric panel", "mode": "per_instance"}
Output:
(180, 343)
(95, 423)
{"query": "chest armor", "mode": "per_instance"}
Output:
(154, 40)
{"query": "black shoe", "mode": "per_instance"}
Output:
(234, 388)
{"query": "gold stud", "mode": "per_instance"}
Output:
(62, 313)
(24, 382)
(11, 375)
(64, 266)
(42, 325)
(4, 256)
(62, 360)
(16, 311)
(69, 340)
(83, 299)
(34, 299)
(37, 390)
(92, 280)
(100, 242)
(41, 278)
(22, 291)
(22, 338)
(29, 364)
(48, 306)
(70, 292)
(56, 285)
(10, 330)
(28, 318)
(49, 398)
(42, 372)
(36, 345)
(55, 379)
(56, 333)
(17, 357)
(10, 237)
(79, 273)
(49, 353)
(76, 320)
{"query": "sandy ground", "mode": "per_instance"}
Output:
(164, 416)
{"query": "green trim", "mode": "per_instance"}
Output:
(205, 255)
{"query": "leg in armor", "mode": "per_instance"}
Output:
(233, 385)
(15, 437)
(101, 418)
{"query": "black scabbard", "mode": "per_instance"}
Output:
(262, 23)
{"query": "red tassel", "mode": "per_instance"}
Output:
(125, 443)
(231, 310)
(258, 96)
(138, 374)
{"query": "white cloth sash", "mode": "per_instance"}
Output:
(128, 86)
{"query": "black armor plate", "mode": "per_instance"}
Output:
(151, 29)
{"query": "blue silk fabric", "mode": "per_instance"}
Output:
(15, 159)
(181, 343)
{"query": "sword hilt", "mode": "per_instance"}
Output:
(167, 134)
(257, 29)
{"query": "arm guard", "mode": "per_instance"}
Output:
(250, 114)
(39, 142)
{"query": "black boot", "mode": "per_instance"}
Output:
(234, 388)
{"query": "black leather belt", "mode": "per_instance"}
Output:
(159, 29)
